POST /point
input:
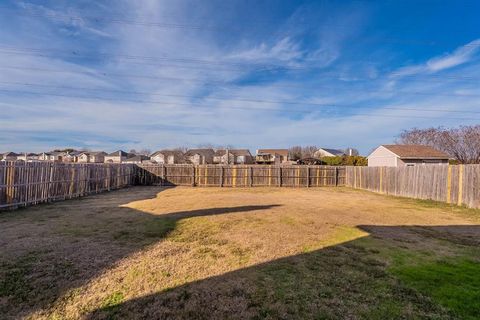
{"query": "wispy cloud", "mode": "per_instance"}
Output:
(460, 56)
(208, 94)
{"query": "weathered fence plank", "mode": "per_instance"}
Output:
(25, 183)
(451, 184)
(240, 175)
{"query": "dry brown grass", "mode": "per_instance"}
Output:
(214, 253)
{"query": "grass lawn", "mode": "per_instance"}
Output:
(259, 253)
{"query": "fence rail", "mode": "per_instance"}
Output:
(26, 183)
(458, 185)
(240, 175)
(23, 183)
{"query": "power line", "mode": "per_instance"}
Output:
(243, 107)
(159, 94)
(62, 17)
(262, 67)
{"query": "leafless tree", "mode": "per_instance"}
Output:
(295, 153)
(462, 143)
(145, 152)
(309, 151)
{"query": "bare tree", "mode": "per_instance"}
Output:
(145, 152)
(295, 153)
(182, 149)
(461, 143)
(309, 151)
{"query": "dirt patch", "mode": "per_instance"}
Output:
(239, 253)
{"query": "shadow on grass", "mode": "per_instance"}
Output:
(390, 274)
(53, 248)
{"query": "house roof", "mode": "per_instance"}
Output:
(11, 154)
(203, 152)
(137, 158)
(282, 152)
(412, 151)
(118, 153)
(92, 153)
(236, 152)
(335, 152)
(167, 153)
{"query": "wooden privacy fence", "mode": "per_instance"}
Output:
(240, 175)
(458, 184)
(25, 183)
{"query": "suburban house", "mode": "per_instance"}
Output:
(10, 156)
(272, 156)
(27, 157)
(52, 156)
(325, 152)
(71, 156)
(117, 157)
(232, 156)
(168, 156)
(91, 157)
(199, 156)
(136, 159)
(397, 155)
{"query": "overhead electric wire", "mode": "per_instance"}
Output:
(199, 63)
(237, 107)
(226, 84)
(62, 17)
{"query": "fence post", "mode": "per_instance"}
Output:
(193, 175)
(460, 185)
(279, 176)
(251, 176)
(308, 176)
(221, 176)
(336, 176)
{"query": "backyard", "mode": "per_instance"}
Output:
(253, 253)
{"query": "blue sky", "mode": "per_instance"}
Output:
(255, 74)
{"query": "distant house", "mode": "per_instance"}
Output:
(232, 156)
(91, 157)
(71, 156)
(272, 156)
(168, 156)
(10, 156)
(28, 157)
(406, 155)
(199, 156)
(325, 152)
(52, 156)
(117, 157)
(137, 159)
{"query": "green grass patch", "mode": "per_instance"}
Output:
(453, 283)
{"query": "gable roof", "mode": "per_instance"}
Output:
(11, 154)
(118, 153)
(335, 152)
(203, 152)
(414, 151)
(236, 152)
(137, 158)
(282, 152)
(167, 153)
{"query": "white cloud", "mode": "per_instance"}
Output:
(460, 56)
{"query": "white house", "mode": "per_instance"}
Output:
(326, 152)
(91, 157)
(168, 156)
(397, 155)
(117, 157)
(199, 156)
(232, 156)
